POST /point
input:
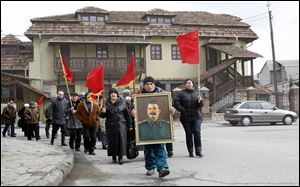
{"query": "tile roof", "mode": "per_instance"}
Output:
(234, 51)
(10, 40)
(98, 39)
(133, 23)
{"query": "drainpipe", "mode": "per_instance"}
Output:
(41, 62)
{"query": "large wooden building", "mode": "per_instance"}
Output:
(91, 36)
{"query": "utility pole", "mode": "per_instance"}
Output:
(273, 50)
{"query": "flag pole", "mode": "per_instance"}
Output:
(103, 93)
(198, 62)
(133, 82)
(65, 78)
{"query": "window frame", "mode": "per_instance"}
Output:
(155, 55)
(175, 52)
(103, 48)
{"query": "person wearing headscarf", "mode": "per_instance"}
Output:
(117, 124)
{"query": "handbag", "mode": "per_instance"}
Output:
(20, 123)
(132, 150)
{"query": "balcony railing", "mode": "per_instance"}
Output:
(111, 65)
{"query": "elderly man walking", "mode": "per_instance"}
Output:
(57, 113)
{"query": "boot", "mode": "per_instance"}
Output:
(120, 160)
(52, 139)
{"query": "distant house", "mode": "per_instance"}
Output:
(287, 73)
(15, 81)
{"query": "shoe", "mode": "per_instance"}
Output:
(85, 151)
(77, 149)
(71, 146)
(150, 172)
(64, 144)
(164, 172)
(120, 161)
(170, 154)
(104, 147)
(13, 136)
(3, 135)
(114, 159)
(199, 154)
(51, 143)
(38, 138)
(191, 155)
(29, 139)
(92, 153)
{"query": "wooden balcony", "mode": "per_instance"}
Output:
(111, 65)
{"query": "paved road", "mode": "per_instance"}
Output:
(233, 155)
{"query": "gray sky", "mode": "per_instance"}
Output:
(15, 19)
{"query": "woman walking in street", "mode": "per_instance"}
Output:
(189, 103)
(117, 123)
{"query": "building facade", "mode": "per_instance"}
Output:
(91, 36)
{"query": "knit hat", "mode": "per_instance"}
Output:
(74, 94)
(149, 79)
(113, 90)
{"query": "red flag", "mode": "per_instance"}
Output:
(130, 73)
(188, 45)
(95, 79)
(40, 100)
(66, 69)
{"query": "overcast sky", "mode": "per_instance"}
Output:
(15, 19)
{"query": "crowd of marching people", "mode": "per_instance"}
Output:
(110, 121)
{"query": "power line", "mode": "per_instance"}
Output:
(265, 13)
(258, 19)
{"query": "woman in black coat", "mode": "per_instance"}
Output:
(189, 103)
(117, 123)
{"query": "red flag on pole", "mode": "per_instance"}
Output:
(188, 45)
(66, 69)
(95, 80)
(40, 100)
(130, 73)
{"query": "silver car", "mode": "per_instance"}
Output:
(258, 112)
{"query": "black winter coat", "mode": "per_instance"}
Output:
(117, 124)
(57, 111)
(186, 101)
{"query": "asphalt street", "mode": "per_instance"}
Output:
(260, 154)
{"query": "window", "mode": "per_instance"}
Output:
(160, 20)
(85, 18)
(102, 51)
(175, 52)
(93, 18)
(167, 20)
(155, 52)
(153, 20)
(267, 106)
(251, 105)
(100, 18)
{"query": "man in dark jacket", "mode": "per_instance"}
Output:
(58, 116)
(9, 115)
(155, 154)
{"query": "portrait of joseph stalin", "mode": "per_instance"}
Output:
(154, 128)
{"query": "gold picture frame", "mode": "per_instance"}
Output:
(153, 120)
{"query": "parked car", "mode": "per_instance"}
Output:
(258, 112)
